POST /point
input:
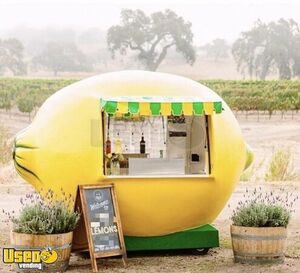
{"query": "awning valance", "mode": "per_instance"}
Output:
(165, 106)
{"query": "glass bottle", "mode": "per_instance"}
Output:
(115, 166)
(142, 145)
(108, 146)
(118, 145)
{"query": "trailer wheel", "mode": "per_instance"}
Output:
(202, 251)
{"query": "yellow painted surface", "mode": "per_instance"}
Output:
(123, 107)
(188, 108)
(145, 109)
(165, 109)
(62, 148)
(208, 108)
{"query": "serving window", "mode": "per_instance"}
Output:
(136, 145)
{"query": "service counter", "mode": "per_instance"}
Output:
(156, 166)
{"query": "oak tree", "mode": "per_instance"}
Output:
(151, 36)
(62, 57)
(11, 56)
(269, 47)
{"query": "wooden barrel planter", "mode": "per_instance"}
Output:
(51, 246)
(258, 245)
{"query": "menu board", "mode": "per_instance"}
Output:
(102, 222)
(101, 215)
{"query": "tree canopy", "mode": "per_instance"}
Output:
(270, 47)
(62, 57)
(217, 49)
(151, 36)
(11, 56)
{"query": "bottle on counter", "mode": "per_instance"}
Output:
(108, 146)
(115, 165)
(142, 145)
(131, 145)
(118, 145)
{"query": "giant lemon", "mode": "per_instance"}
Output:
(58, 150)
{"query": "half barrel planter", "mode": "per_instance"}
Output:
(60, 243)
(258, 245)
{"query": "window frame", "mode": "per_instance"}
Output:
(208, 151)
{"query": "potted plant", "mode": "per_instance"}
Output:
(43, 231)
(259, 226)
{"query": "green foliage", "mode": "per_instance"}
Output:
(267, 47)
(261, 215)
(5, 100)
(264, 209)
(25, 104)
(27, 93)
(151, 36)
(240, 95)
(258, 95)
(281, 167)
(45, 216)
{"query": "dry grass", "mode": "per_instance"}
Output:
(293, 249)
(281, 167)
(8, 174)
(252, 173)
(5, 145)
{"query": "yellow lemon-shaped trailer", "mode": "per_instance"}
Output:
(63, 148)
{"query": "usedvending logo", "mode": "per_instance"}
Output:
(29, 259)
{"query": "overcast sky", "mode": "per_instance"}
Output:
(210, 19)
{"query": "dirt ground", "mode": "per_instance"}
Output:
(264, 137)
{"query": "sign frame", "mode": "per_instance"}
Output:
(82, 202)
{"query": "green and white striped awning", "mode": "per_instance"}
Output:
(156, 106)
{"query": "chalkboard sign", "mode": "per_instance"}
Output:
(101, 222)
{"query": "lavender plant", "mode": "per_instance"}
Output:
(264, 209)
(45, 215)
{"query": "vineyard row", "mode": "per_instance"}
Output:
(268, 96)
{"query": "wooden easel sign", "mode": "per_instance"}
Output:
(102, 222)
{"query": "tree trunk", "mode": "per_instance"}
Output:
(151, 67)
